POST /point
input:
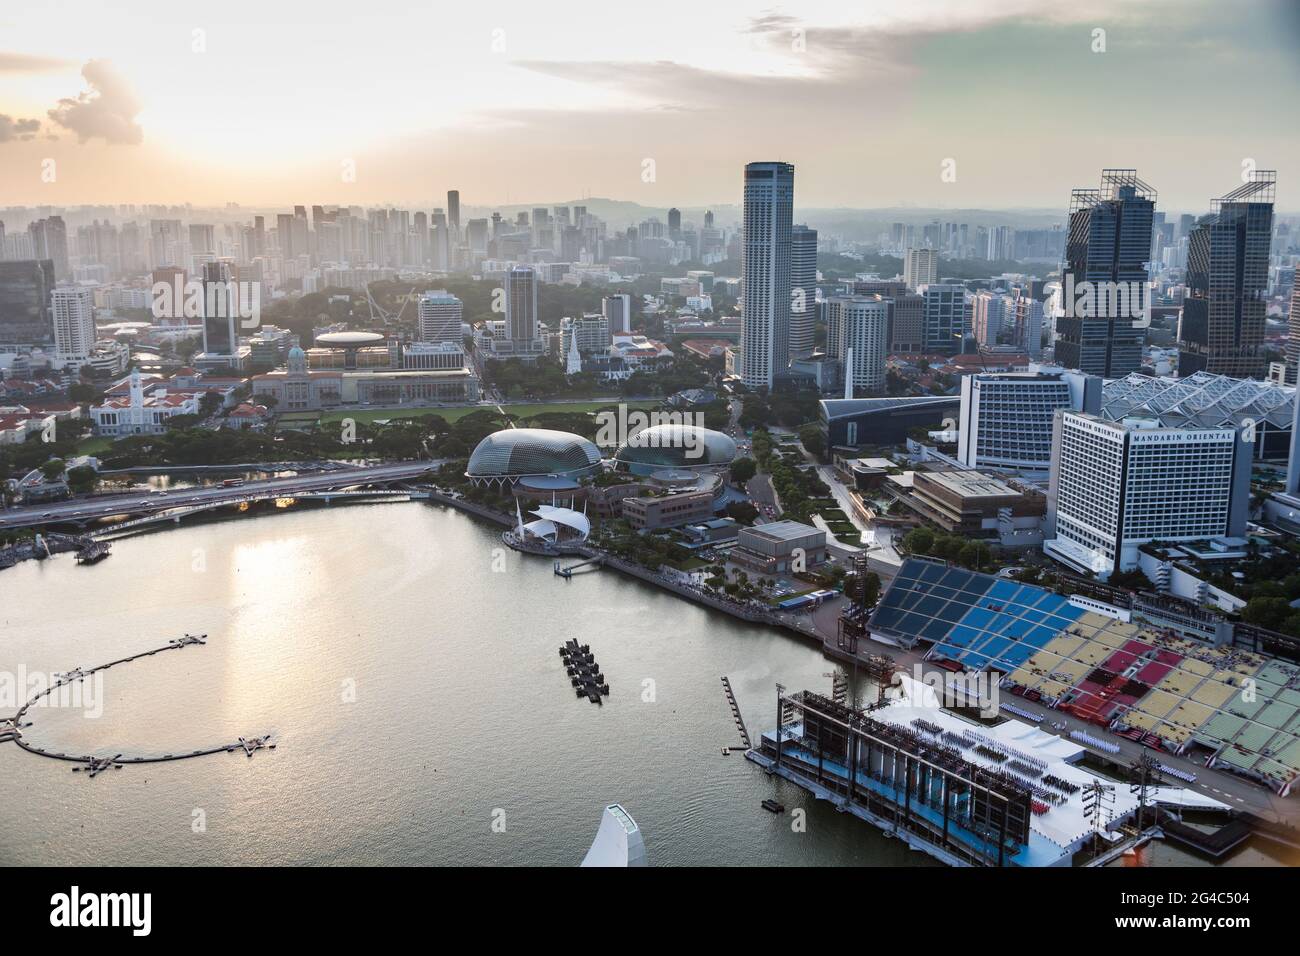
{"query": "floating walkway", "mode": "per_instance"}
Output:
(11, 728)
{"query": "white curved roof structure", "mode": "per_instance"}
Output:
(573, 520)
(552, 522)
(618, 841)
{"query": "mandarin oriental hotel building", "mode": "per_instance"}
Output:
(1115, 486)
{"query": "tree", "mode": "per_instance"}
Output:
(742, 512)
(812, 438)
(919, 541)
(52, 470)
(743, 469)
(209, 404)
(82, 481)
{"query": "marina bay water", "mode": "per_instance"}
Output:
(407, 665)
(409, 671)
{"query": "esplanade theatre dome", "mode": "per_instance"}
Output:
(515, 452)
(675, 446)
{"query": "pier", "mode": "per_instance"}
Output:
(12, 728)
(745, 743)
(568, 572)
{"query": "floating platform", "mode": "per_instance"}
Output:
(583, 672)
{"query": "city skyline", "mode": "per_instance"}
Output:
(147, 106)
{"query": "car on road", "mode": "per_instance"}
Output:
(48, 514)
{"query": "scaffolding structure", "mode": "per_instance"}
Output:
(913, 783)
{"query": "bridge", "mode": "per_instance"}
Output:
(176, 514)
(328, 484)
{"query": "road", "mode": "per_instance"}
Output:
(88, 509)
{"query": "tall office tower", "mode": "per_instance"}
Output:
(1293, 336)
(202, 239)
(420, 235)
(439, 317)
(454, 212)
(992, 314)
(440, 252)
(25, 288)
(920, 267)
(1006, 418)
(73, 310)
(946, 317)
(284, 235)
(906, 322)
(618, 310)
(259, 237)
(674, 223)
(1000, 244)
(803, 291)
(570, 244)
(50, 241)
(1115, 486)
(496, 224)
(1104, 279)
(765, 272)
(708, 219)
(861, 328)
(2, 240)
(1221, 329)
(1028, 317)
(220, 310)
(476, 234)
(521, 304)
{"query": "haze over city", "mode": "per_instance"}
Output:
(264, 104)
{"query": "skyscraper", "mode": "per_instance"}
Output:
(765, 272)
(521, 304)
(220, 310)
(945, 318)
(73, 310)
(439, 317)
(920, 267)
(618, 310)
(861, 327)
(453, 212)
(1115, 486)
(1221, 329)
(674, 224)
(50, 241)
(1293, 337)
(1104, 279)
(25, 288)
(803, 290)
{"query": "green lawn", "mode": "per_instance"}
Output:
(94, 445)
(455, 413)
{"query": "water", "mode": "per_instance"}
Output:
(462, 713)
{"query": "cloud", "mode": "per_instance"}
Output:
(107, 110)
(27, 63)
(16, 129)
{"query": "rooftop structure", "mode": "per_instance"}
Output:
(1204, 400)
(512, 453)
(675, 446)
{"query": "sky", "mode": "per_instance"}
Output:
(929, 103)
